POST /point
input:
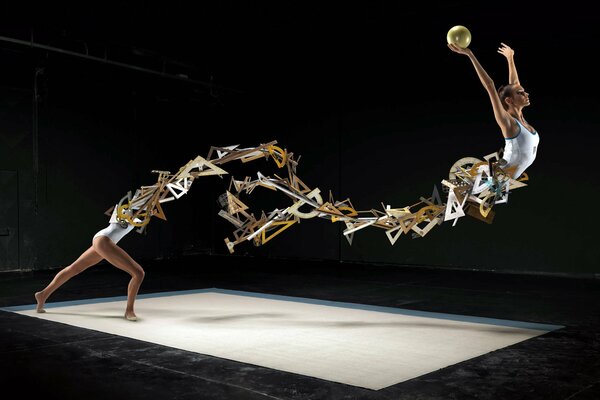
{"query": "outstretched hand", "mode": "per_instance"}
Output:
(459, 50)
(506, 51)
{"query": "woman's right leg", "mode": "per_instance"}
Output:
(120, 259)
(87, 259)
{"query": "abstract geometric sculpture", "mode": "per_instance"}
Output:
(473, 188)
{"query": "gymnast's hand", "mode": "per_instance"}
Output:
(506, 51)
(466, 51)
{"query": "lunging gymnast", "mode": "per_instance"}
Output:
(104, 247)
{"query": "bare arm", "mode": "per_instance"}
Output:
(506, 51)
(502, 117)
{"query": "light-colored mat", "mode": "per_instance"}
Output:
(360, 345)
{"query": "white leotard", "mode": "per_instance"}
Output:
(114, 231)
(520, 151)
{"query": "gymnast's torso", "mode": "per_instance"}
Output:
(115, 230)
(520, 151)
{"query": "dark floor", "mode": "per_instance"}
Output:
(59, 361)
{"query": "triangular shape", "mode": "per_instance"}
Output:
(203, 166)
(158, 212)
(349, 236)
(328, 208)
(393, 237)
(235, 205)
(284, 225)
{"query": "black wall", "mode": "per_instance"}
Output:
(369, 96)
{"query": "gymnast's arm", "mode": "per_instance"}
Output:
(503, 119)
(506, 51)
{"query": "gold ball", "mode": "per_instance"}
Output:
(459, 35)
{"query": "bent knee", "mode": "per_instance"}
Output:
(140, 273)
(137, 272)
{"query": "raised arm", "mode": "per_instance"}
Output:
(503, 119)
(506, 51)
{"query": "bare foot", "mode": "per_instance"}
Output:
(130, 316)
(40, 302)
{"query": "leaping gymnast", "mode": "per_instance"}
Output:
(521, 139)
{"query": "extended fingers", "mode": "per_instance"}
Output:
(504, 47)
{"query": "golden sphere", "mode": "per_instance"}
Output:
(459, 35)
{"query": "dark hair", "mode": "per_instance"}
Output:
(505, 91)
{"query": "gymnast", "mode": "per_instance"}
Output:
(521, 139)
(104, 247)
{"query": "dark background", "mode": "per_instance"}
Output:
(367, 93)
